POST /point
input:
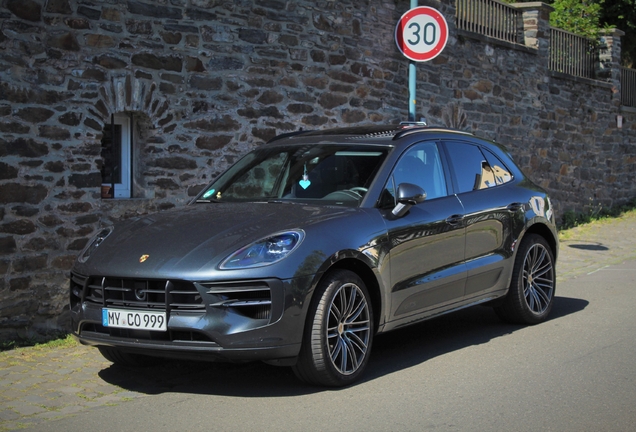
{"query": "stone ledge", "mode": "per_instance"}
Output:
(491, 40)
(533, 5)
(581, 80)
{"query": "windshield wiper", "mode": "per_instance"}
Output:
(207, 200)
(284, 201)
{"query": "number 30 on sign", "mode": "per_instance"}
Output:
(421, 34)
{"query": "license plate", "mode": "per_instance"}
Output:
(132, 319)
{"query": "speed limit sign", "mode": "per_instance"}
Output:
(421, 34)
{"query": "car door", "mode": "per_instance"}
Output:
(480, 180)
(427, 244)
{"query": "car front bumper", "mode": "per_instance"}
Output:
(226, 321)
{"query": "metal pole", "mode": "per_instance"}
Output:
(412, 80)
(130, 163)
(112, 147)
(412, 90)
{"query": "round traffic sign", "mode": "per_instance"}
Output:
(421, 34)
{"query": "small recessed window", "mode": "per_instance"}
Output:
(116, 157)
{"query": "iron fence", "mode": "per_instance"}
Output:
(628, 87)
(490, 18)
(573, 54)
(570, 53)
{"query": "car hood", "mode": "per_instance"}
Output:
(196, 237)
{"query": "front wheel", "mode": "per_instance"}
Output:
(531, 294)
(338, 333)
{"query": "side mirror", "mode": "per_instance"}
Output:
(408, 195)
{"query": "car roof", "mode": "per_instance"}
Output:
(391, 135)
(386, 132)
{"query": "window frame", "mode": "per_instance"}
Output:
(124, 188)
(444, 173)
(485, 151)
(501, 180)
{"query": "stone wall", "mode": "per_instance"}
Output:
(207, 80)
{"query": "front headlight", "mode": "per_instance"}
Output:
(92, 245)
(264, 252)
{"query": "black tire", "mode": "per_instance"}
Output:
(531, 293)
(338, 333)
(122, 358)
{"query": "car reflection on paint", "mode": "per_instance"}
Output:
(309, 246)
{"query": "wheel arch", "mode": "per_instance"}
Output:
(545, 232)
(368, 276)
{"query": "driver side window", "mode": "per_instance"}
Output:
(420, 165)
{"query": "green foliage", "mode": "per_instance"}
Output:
(577, 16)
(51, 341)
(621, 14)
(571, 219)
(588, 17)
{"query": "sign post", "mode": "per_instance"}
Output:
(421, 34)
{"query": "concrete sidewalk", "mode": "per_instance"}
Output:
(38, 385)
(588, 248)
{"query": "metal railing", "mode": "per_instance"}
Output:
(573, 54)
(628, 87)
(490, 18)
(570, 53)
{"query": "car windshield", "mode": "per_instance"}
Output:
(329, 174)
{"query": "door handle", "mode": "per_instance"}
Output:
(454, 219)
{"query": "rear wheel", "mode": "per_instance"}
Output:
(339, 332)
(127, 359)
(531, 294)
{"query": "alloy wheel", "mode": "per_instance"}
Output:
(348, 329)
(538, 278)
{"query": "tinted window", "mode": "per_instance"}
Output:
(334, 174)
(421, 166)
(471, 168)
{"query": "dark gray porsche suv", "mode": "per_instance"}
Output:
(313, 243)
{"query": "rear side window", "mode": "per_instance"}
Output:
(499, 170)
(474, 170)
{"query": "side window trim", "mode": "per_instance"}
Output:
(452, 181)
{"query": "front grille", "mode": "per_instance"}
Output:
(77, 288)
(240, 305)
(251, 299)
(138, 293)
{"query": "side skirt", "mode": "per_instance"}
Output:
(406, 321)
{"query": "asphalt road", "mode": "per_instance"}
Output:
(466, 371)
